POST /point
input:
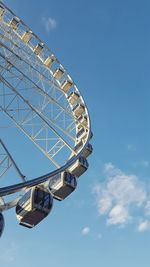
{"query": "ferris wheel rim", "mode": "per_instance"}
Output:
(41, 179)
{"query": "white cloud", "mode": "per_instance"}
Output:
(85, 230)
(143, 226)
(49, 23)
(118, 215)
(121, 196)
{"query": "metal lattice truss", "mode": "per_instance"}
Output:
(39, 97)
(5, 161)
(31, 92)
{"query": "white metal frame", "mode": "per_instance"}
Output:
(35, 96)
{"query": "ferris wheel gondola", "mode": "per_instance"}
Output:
(34, 206)
(62, 185)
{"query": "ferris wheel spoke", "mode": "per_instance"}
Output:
(43, 92)
(37, 133)
(26, 56)
(20, 80)
(5, 163)
(53, 121)
(35, 110)
(35, 140)
(31, 138)
(10, 161)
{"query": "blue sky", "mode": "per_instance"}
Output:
(106, 222)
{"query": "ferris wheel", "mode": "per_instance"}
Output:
(39, 97)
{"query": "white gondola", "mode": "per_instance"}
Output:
(87, 151)
(66, 85)
(82, 121)
(38, 48)
(58, 73)
(49, 61)
(27, 36)
(34, 206)
(82, 134)
(79, 167)
(62, 185)
(2, 224)
(14, 23)
(78, 109)
(78, 146)
(73, 98)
